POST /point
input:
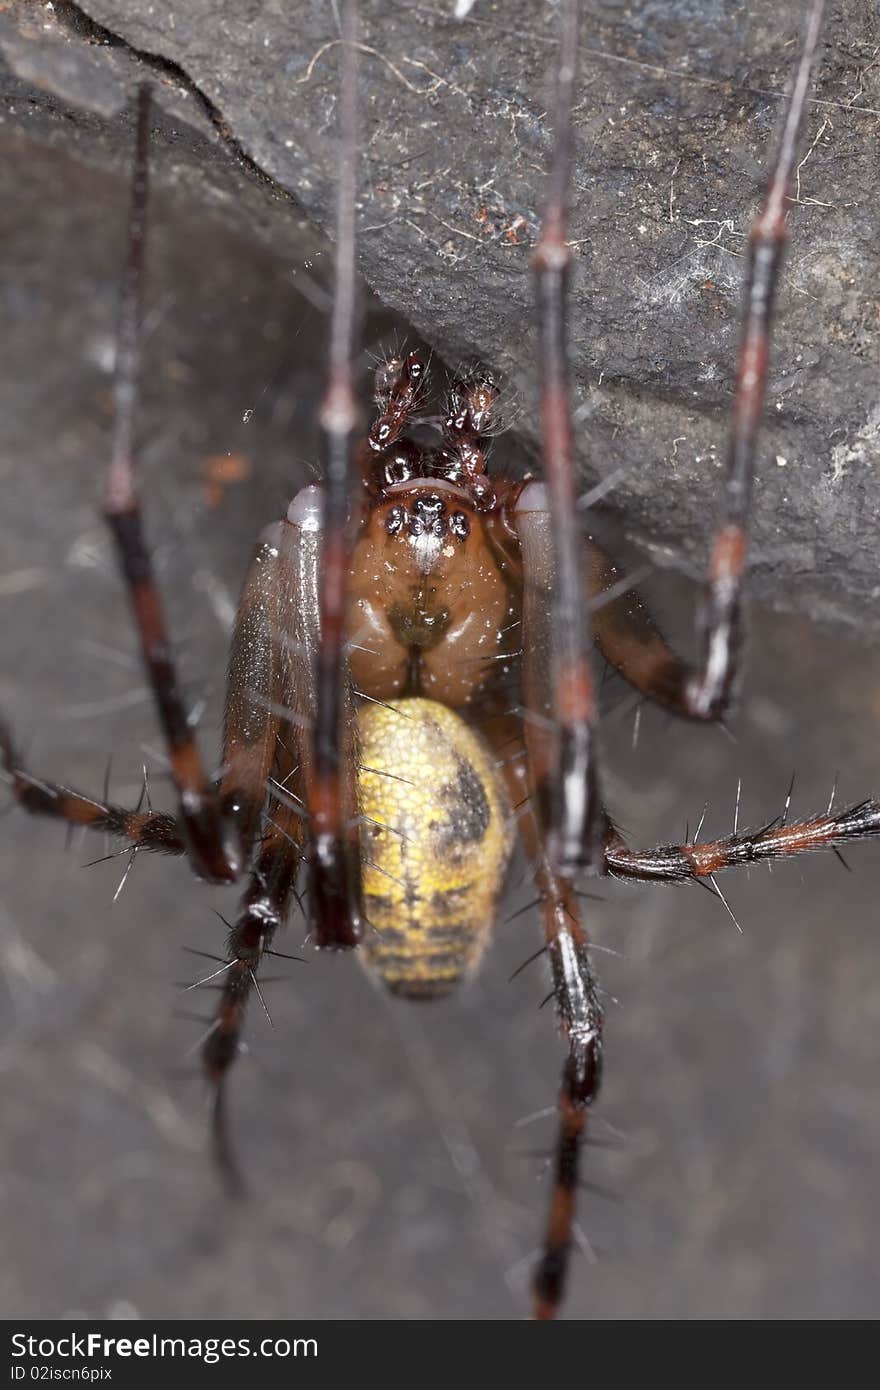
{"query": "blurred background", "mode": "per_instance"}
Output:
(395, 1153)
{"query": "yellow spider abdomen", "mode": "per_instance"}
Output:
(436, 840)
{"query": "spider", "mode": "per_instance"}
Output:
(291, 720)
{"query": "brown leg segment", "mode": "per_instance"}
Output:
(578, 1011)
(561, 739)
(471, 417)
(263, 910)
(400, 391)
(251, 717)
(211, 843)
(147, 830)
(708, 693)
(629, 638)
(677, 863)
(334, 867)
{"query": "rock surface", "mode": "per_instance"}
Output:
(675, 126)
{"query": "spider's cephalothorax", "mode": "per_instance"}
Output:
(433, 607)
(411, 668)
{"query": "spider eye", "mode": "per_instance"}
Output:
(430, 507)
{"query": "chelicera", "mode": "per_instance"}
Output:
(411, 673)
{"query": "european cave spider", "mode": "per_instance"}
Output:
(439, 556)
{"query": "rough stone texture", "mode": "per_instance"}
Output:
(674, 128)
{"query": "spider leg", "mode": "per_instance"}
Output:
(252, 721)
(676, 863)
(269, 769)
(471, 417)
(253, 718)
(704, 692)
(253, 713)
(560, 697)
(210, 841)
(628, 636)
(575, 991)
(580, 1018)
(334, 876)
(558, 680)
(334, 858)
(400, 392)
(147, 830)
(630, 639)
(264, 908)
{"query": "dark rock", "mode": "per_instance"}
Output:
(675, 127)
